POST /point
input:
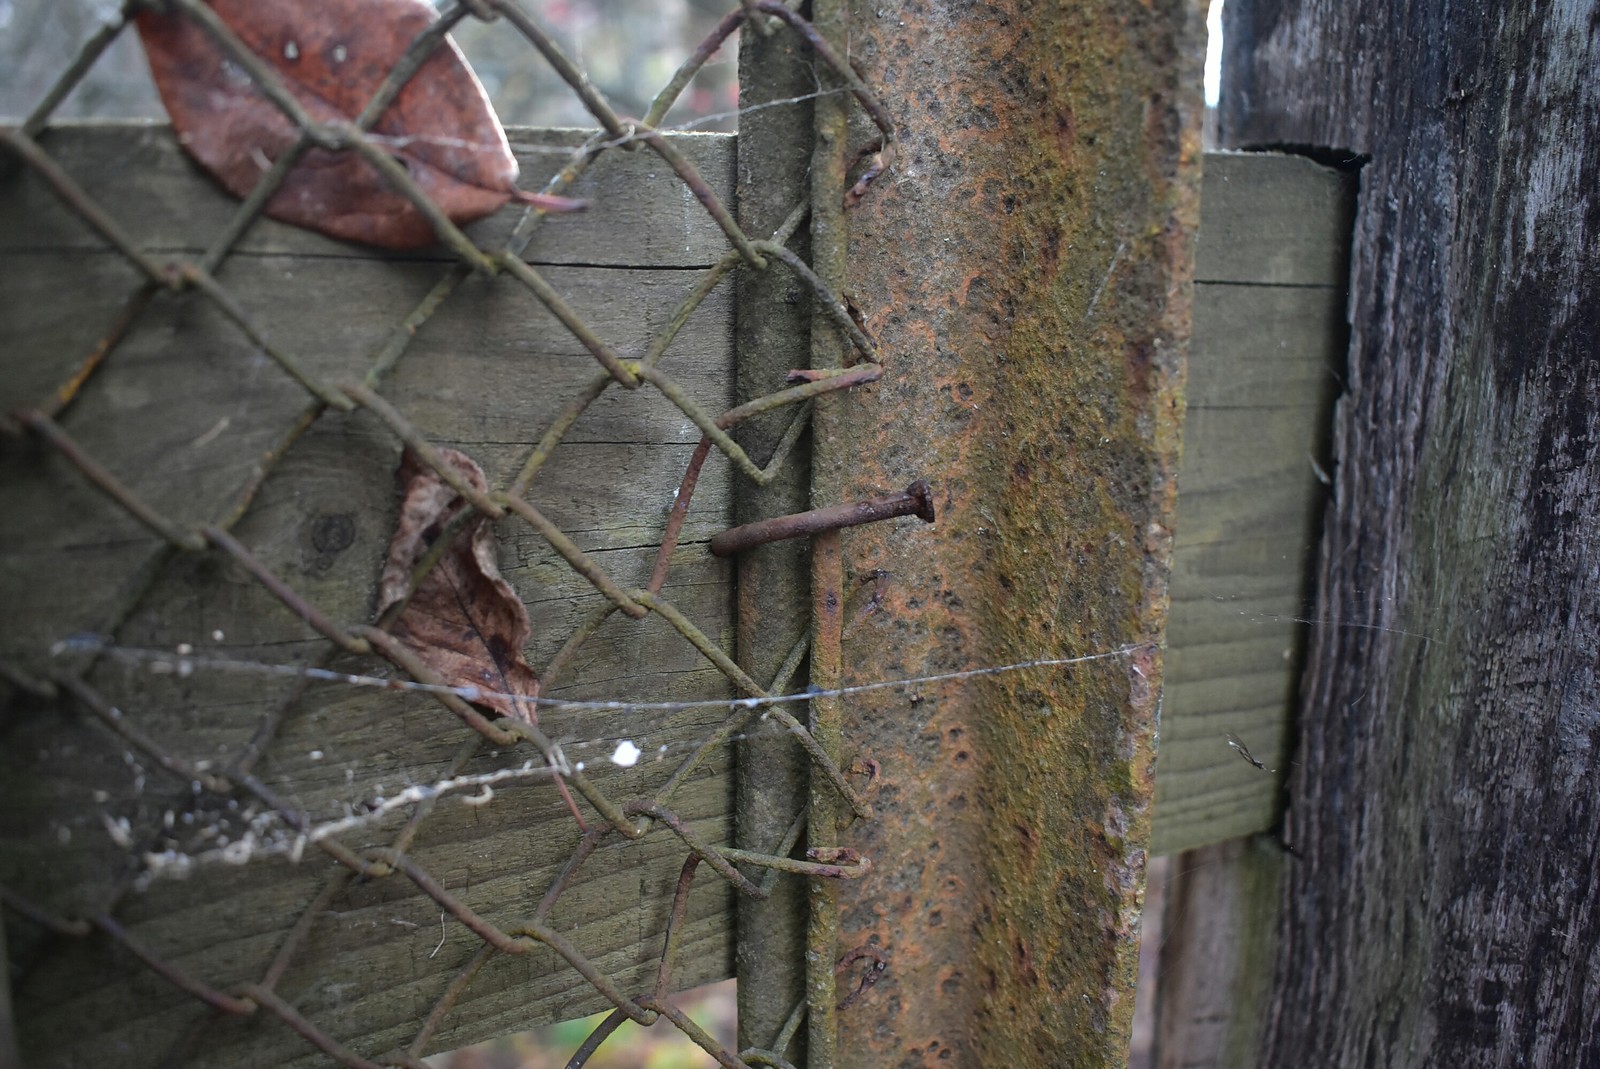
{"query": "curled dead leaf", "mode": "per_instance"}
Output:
(464, 620)
(333, 55)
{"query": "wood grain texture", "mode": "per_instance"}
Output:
(182, 412)
(773, 335)
(1264, 367)
(1445, 908)
(1219, 937)
(641, 213)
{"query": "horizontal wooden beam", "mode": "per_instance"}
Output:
(182, 413)
(1264, 368)
(486, 375)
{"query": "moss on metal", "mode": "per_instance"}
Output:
(1025, 271)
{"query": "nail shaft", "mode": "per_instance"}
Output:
(914, 500)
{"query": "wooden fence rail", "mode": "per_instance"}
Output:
(189, 413)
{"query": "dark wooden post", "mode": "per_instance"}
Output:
(1444, 904)
(1025, 270)
(772, 336)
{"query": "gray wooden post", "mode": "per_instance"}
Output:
(1440, 908)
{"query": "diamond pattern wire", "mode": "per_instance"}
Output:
(625, 819)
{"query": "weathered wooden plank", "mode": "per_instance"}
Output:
(1441, 908)
(1263, 371)
(182, 412)
(773, 334)
(640, 214)
(1261, 212)
(189, 393)
(1219, 936)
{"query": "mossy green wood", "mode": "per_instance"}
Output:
(1264, 368)
(182, 412)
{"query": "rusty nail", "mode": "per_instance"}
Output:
(877, 966)
(914, 500)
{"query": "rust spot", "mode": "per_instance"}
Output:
(1049, 254)
(1066, 134)
(1024, 958)
(1028, 840)
(1141, 371)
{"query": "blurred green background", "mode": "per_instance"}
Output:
(630, 1047)
(629, 47)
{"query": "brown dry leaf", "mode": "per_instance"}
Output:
(464, 621)
(333, 55)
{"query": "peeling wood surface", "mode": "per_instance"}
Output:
(1025, 270)
(182, 412)
(1443, 910)
(1264, 366)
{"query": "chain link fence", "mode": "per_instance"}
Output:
(211, 809)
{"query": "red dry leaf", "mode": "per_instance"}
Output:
(332, 55)
(463, 621)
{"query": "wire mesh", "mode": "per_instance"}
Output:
(511, 746)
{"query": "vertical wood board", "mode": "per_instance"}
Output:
(1441, 909)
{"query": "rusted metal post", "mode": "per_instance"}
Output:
(829, 260)
(1025, 270)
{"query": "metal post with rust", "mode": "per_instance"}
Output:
(829, 252)
(1025, 271)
